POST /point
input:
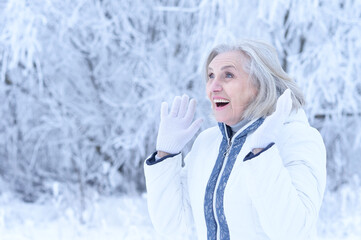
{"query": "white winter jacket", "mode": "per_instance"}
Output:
(274, 195)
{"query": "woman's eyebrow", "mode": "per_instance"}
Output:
(224, 67)
(228, 66)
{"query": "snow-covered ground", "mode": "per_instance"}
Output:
(110, 218)
(124, 218)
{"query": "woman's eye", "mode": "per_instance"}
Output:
(210, 75)
(229, 75)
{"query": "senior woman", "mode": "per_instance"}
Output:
(259, 174)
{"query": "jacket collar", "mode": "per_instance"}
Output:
(249, 127)
(295, 116)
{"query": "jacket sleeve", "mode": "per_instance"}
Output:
(167, 193)
(286, 184)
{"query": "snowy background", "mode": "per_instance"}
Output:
(81, 83)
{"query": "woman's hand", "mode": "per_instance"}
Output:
(268, 132)
(176, 128)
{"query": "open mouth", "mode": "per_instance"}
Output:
(221, 102)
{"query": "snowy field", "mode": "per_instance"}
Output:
(110, 218)
(125, 218)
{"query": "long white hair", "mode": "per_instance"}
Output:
(265, 73)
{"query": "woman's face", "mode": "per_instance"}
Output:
(228, 87)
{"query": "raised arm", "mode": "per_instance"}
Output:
(286, 181)
(166, 183)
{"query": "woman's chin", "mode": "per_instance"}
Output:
(223, 120)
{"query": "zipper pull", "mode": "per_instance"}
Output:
(228, 148)
(229, 139)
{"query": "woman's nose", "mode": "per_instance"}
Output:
(216, 85)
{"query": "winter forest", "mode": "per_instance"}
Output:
(81, 83)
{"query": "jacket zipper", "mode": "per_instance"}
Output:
(229, 145)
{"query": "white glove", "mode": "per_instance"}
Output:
(176, 129)
(268, 132)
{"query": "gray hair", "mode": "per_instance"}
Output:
(265, 73)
